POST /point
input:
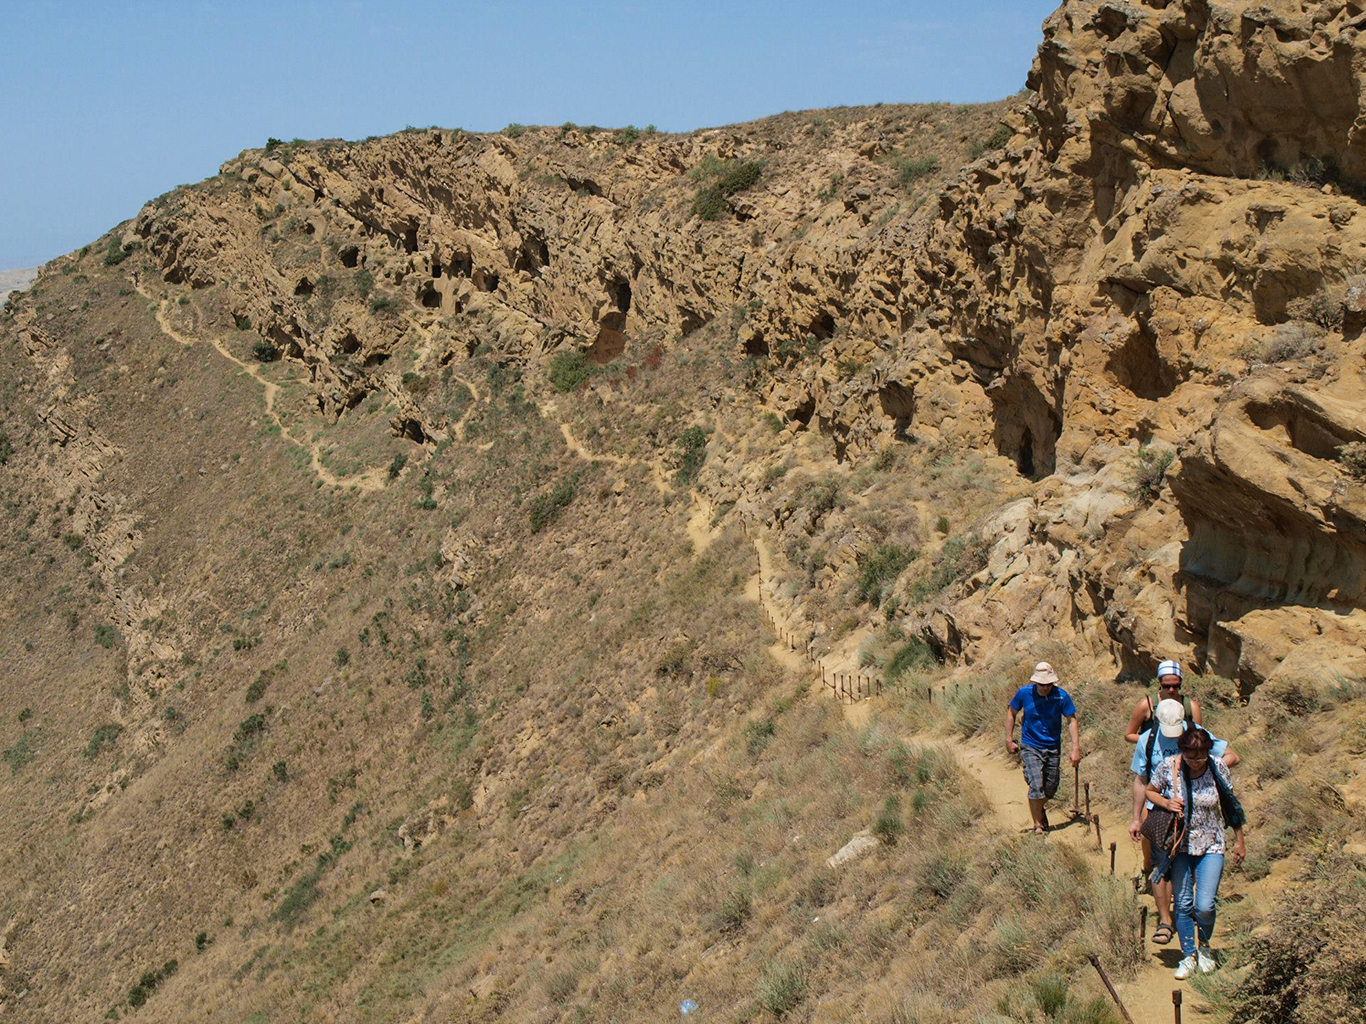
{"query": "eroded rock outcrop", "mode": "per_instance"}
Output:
(1163, 253)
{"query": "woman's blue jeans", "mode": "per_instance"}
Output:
(1195, 887)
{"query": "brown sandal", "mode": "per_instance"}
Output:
(1163, 933)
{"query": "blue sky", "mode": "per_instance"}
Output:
(110, 104)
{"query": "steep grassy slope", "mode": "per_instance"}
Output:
(397, 534)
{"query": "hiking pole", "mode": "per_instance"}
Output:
(1088, 801)
(1176, 1005)
(1112, 860)
(1076, 790)
(1095, 962)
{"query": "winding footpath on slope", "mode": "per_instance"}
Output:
(1148, 994)
(367, 480)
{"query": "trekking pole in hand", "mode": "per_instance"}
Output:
(1076, 790)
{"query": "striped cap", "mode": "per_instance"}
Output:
(1169, 668)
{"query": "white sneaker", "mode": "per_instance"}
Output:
(1185, 968)
(1204, 956)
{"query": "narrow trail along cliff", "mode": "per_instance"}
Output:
(423, 586)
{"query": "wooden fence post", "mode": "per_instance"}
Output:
(1176, 1005)
(1112, 859)
(1095, 962)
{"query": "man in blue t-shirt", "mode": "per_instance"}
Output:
(1044, 704)
(1153, 747)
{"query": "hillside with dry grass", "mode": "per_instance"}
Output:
(433, 563)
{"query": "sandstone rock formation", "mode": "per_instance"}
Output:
(1160, 255)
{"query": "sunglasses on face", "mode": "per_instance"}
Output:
(1169, 686)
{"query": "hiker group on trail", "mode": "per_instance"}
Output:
(1183, 797)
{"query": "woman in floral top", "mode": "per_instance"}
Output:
(1201, 790)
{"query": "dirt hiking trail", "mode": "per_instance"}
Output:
(368, 480)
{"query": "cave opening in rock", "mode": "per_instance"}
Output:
(822, 326)
(436, 267)
(431, 298)
(462, 264)
(410, 240)
(304, 288)
(350, 256)
(413, 431)
(1024, 458)
(376, 359)
(486, 280)
(348, 344)
(898, 404)
(756, 347)
(620, 292)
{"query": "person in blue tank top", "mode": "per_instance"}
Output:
(1044, 704)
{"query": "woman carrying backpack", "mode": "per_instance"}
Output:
(1200, 790)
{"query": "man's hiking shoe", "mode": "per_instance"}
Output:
(1204, 956)
(1185, 968)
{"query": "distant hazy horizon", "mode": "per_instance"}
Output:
(116, 104)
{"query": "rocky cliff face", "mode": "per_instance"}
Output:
(408, 476)
(1163, 254)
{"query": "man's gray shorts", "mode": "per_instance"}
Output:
(1041, 771)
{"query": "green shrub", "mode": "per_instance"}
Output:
(889, 827)
(1149, 472)
(201, 941)
(730, 178)
(547, 507)
(878, 570)
(249, 727)
(913, 654)
(365, 282)
(1352, 455)
(115, 253)
(734, 910)
(996, 140)
(23, 751)
(959, 558)
(6, 449)
(514, 130)
(342, 658)
(102, 737)
(782, 988)
(1311, 967)
(383, 304)
(692, 444)
(257, 689)
(264, 351)
(568, 369)
(105, 634)
(396, 466)
(280, 770)
(908, 171)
